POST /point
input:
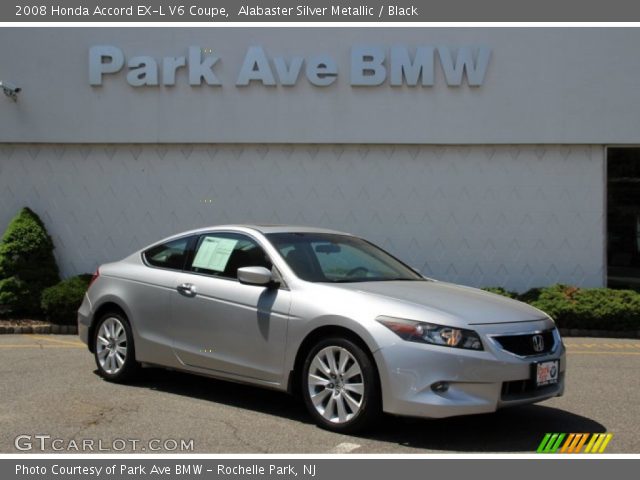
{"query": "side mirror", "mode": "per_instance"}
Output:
(255, 276)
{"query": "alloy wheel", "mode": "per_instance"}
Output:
(111, 345)
(336, 384)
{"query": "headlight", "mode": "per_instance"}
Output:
(422, 332)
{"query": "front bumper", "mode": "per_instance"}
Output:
(84, 320)
(478, 381)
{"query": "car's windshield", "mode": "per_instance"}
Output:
(326, 257)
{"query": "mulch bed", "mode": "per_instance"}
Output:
(40, 326)
(24, 325)
(22, 322)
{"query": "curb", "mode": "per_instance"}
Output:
(579, 332)
(73, 330)
(42, 329)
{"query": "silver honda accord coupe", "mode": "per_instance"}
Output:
(323, 314)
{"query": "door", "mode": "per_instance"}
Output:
(223, 325)
(623, 217)
(148, 295)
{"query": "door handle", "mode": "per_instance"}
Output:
(187, 289)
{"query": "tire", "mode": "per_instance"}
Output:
(114, 349)
(348, 401)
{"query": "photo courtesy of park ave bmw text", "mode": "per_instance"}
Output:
(314, 211)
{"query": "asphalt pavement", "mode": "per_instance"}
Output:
(51, 396)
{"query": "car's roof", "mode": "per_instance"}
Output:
(266, 229)
(245, 227)
(291, 229)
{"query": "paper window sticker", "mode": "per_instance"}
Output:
(214, 253)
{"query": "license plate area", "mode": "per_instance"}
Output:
(545, 373)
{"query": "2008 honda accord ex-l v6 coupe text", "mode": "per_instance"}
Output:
(325, 314)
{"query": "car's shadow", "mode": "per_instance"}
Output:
(516, 429)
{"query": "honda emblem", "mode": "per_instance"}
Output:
(537, 341)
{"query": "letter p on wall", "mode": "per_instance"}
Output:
(104, 59)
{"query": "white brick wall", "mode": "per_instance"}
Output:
(516, 216)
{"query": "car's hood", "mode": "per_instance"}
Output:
(470, 305)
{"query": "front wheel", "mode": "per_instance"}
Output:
(114, 350)
(340, 386)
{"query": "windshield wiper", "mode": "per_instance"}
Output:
(398, 279)
(376, 279)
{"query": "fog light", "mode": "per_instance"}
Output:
(440, 387)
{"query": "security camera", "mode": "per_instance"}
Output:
(10, 90)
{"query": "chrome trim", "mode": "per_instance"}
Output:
(557, 341)
(509, 323)
(537, 342)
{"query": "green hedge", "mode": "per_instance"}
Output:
(587, 308)
(60, 303)
(501, 291)
(27, 265)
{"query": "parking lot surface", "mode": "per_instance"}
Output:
(50, 388)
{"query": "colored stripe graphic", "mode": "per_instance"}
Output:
(598, 442)
(580, 444)
(574, 443)
(568, 443)
(605, 442)
(552, 442)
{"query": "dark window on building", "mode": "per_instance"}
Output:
(623, 218)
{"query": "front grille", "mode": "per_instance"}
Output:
(523, 345)
(523, 389)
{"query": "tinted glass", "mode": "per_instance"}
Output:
(623, 217)
(222, 254)
(321, 257)
(168, 255)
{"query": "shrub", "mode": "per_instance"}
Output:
(60, 303)
(555, 300)
(501, 291)
(531, 295)
(27, 265)
(597, 308)
(587, 308)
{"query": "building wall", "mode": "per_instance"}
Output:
(542, 86)
(511, 215)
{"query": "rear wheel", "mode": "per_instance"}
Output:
(340, 386)
(114, 349)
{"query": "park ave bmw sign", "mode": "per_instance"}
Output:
(370, 65)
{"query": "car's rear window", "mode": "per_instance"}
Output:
(168, 255)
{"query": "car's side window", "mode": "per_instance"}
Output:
(222, 254)
(169, 255)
